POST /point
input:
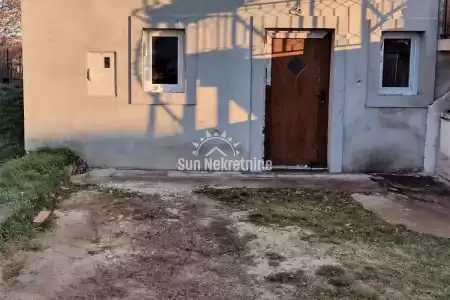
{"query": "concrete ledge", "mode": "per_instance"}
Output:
(445, 115)
(155, 181)
(444, 45)
(143, 174)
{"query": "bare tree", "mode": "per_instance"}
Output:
(10, 39)
(10, 28)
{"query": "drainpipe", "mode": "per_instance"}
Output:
(445, 19)
(250, 109)
(8, 70)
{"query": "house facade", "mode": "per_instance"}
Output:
(348, 85)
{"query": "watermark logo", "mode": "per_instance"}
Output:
(210, 140)
(219, 152)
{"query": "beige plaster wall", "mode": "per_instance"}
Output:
(225, 62)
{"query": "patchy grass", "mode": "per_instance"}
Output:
(27, 186)
(374, 255)
(332, 216)
(227, 241)
(12, 270)
(357, 292)
(297, 278)
(335, 275)
(274, 259)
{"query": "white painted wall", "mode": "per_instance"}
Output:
(445, 135)
(443, 162)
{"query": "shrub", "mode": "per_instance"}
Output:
(11, 122)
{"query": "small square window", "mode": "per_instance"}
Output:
(163, 61)
(400, 63)
(107, 61)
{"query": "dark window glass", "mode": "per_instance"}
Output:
(107, 62)
(165, 59)
(396, 62)
(296, 66)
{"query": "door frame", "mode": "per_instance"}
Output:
(301, 34)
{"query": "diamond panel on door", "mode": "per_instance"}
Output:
(296, 66)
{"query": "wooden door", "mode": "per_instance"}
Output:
(297, 101)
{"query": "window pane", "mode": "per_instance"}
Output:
(165, 60)
(396, 62)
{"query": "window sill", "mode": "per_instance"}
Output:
(396, 101)
(397, 93)
(172, 91)
(163, 89)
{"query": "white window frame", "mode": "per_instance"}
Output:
(413, 67)
(147, 64)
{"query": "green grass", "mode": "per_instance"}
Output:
(27, 186)
(373, 255)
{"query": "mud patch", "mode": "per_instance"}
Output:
(111, 244)
(419, 188)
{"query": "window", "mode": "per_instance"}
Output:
(163, 61)
(107, 61)
(400, 63)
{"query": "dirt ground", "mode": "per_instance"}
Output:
(163, 239)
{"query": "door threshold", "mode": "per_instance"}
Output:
(298, 168)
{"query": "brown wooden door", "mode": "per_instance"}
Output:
(297, 102)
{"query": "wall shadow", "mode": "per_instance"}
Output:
(230, 74)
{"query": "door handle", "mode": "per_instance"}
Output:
(88, 75)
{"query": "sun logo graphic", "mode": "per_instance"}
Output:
(218, 152)
(216, 144)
